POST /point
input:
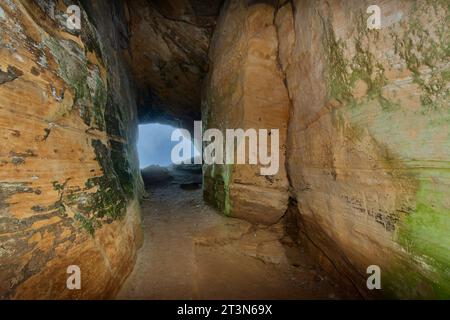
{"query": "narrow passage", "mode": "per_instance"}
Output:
(192, 252)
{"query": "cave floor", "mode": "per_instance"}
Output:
(190, 251)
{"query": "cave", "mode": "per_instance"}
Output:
(357, 208)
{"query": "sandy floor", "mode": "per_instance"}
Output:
(192, 252)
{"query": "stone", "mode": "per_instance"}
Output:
(367, 165)
(362, 114)
(245, 89)
(168, 55)
(68, 189)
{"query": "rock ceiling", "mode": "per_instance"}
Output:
(168, 55)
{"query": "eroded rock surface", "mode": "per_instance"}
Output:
(368, 137)
(168, 53)
(68, 184)
(245, 89)
(368, 144)
(364, 138)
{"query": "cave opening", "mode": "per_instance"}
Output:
(156, 151)
(154, 145)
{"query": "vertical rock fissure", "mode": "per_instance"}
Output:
(293, 209)
(295, 229)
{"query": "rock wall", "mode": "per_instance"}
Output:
(69, 179)
(368, 143)
(369, 139)
(363, 117)
(245, 89)
(168, 54)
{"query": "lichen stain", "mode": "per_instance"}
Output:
(416, 140)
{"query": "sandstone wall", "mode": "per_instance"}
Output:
(245, 89)
(168, 55)
(368, 143)
(369, 139)
(68, 179)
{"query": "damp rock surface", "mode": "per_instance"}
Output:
(367, 143)
(368, 146)
(68, 183)
(363, 120)
(245, 89)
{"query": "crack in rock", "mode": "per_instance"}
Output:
(11, 74)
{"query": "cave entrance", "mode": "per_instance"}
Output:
(154, 148)
(154, 145)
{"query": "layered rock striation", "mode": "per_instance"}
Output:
(69, 182)
(245, 90)
(368, 134)
(168, 55)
